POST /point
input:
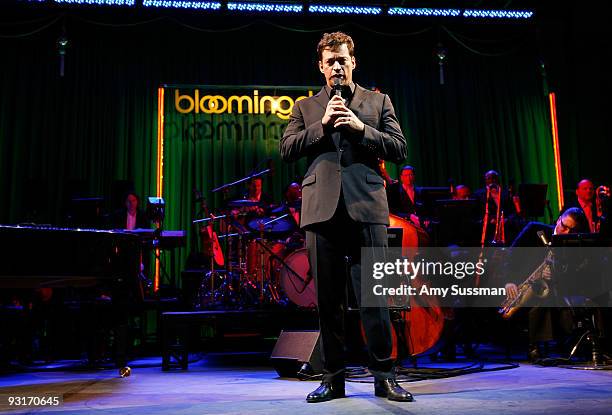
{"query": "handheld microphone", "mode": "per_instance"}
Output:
(543, 238)
(337, 88)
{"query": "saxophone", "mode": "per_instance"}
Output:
(525, 291)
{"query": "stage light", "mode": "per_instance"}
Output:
(98, 2)
(403, 11)
(337, 9)
(183, 4)
(265, 7)
(498, 14)
(557, 153)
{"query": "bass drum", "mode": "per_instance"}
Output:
(297, 281)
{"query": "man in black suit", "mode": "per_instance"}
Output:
(404, 196)
(593, 203)
(131, 216)
(573, 220)
(343, 131)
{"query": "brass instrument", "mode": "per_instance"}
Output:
(525, 291)
(499, 237)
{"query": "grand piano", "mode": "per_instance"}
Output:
(50, 273)
(35, 256)
(87, 280)
(46, 257)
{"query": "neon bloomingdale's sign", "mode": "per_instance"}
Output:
(281, 106)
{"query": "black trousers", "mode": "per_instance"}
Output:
(329, 244)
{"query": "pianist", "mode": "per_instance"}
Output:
(130, 216)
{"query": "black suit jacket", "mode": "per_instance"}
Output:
(344, 163)
(400, 203)
(118, 219)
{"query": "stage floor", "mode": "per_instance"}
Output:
(210, 388)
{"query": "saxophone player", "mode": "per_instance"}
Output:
(573, 220)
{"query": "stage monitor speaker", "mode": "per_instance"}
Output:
(293, 350)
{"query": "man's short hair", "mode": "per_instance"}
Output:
(407, 167)
(577, 214)
(333, 41)
(132, 193)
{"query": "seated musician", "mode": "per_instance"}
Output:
(462, 192)
(404, 197)
(593, 203)
(131, 216)
(292, 205)
(255, 194)
(292, 201)
(573, 220)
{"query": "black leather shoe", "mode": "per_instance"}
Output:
(326, 392)
(390, 389)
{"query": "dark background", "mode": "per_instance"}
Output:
(76, 135)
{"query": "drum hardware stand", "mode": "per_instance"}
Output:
(157, 252)
(212, 274)
(599, 360)
(272, 285)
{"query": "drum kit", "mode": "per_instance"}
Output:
(257, 257)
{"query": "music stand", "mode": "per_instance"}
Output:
(85, 211)
(533, 198)
(429, 195)
(581, 293)
(458, 221)
(156, 209)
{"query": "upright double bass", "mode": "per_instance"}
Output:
(419, 327)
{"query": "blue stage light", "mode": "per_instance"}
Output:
(183, 4)
(265, 7)
(337, 9)
(98, 2)
(498, 14)
(403, 11)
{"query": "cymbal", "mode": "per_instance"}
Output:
(272, 225)
(296, 204)
(242, 203)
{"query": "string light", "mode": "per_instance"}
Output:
(336, 9)
(98, 2)
(402, 11)
(183, 4)
(298, 7)
(265, 7)
(499, 14)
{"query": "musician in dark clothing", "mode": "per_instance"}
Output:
(343, 131)
(404, 197)
(594, 203)
(131, 216)
(540, 319)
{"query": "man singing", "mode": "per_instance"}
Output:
(343, 131)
